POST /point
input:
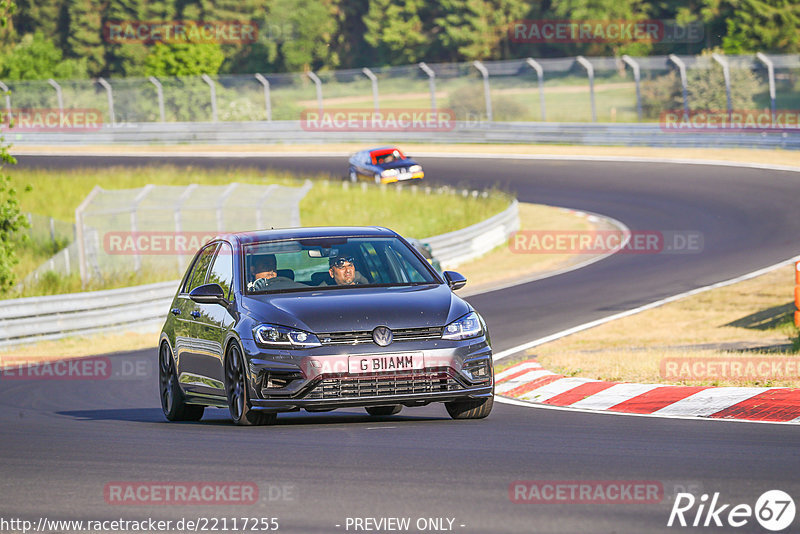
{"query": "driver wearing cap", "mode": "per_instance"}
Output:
(343, 271)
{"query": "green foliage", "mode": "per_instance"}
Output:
(85, 35)
(747, 26)
(35, 57)
(396, 30)
(314, 26)
(662, 93)
(11, 221)
(183, 59)
(707, 87)
(301, 35)
(474, 29)
(706, 90)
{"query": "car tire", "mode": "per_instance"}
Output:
(378, 179)
(236, 390)
(379, 411)
(173, 403)
(353, 176)
(471, 409)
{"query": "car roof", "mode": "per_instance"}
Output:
(279, 234)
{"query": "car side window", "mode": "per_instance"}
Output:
(222, 269)
(200, 268)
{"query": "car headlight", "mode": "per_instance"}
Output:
(415, 168)
(281, 336)
(467, 327)
(389, 172)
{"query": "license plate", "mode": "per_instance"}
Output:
(379, 363)
(404, 176)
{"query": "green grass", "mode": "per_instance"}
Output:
(409, 211)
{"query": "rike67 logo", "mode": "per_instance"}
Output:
(774, 510)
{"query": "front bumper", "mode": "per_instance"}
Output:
(401, 178)
(320, 378)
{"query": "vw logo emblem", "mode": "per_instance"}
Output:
(382, 336)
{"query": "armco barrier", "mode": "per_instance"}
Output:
(263, 132)
(34, 319)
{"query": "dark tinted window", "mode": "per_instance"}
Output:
(222, 270)
(375, 261)
(200, 268)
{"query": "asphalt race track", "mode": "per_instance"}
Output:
(63, 442)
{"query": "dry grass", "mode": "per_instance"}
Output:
(751, 319)
(773, 157)
(503, 266)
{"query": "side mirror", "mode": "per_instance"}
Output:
(454, 280)
(208, 294)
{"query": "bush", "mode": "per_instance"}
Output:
(469, 103)
(705, 88)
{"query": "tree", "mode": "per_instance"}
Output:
(477, 29)
(707, 87)
(11, 219)
(763, 26)
(313, 26)
(184, 59)
(85, 35)
(36, 58)
(605, 10)
(396, 31)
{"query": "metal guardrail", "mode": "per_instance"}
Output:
(265, 132)
(33, 319)
(40, 318)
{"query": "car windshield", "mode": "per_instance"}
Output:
(332, 263)
(388, 155)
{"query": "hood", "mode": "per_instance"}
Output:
(398, 164)
(359, 309)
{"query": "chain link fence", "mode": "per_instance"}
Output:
(159, 228)
(573, 89)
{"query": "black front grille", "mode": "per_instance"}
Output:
(401, 334)
(372, 386)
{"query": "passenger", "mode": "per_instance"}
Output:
(343, 271)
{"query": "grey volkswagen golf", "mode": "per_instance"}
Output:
(319, 319)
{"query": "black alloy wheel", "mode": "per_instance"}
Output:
(236, 391)
(173, 403)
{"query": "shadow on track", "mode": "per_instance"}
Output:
(221, 418)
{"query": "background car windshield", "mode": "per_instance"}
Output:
(305, 263)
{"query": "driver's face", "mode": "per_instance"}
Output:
(344, 275)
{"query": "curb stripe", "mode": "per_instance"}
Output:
(709, 401)
(530, 386)
(613, 396)
(657, 399)
(518, 371)
(579, 393)
(554, 389)
(771, 405)
(529, 376)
